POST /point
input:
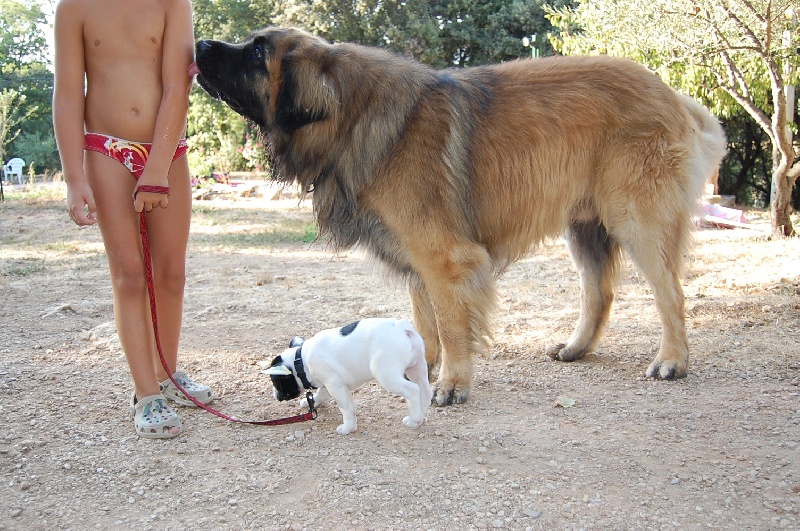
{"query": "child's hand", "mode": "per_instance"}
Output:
(80, 204)
(147, 201)
(148, 196)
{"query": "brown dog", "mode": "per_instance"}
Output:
(449, 176)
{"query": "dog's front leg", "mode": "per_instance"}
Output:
(344, 399)
(461, 287)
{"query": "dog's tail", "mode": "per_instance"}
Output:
(711, 145)
(417, 345)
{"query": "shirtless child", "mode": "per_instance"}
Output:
(125, 131)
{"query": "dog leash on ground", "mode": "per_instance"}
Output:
(148, 266)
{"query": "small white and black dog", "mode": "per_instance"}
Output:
(338, 360)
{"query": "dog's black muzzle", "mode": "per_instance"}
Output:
(286, 387)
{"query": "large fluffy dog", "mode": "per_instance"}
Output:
(449, 176)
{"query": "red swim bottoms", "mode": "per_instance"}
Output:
(132, 155)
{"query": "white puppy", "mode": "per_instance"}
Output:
(338, 360)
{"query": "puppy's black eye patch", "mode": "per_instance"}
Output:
(348, 329)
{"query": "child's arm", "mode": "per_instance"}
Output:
(68, 109)
(178, 54)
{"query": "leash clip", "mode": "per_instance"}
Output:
(311, 406)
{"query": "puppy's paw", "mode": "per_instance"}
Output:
(304, 402)
(344, 429)
(408, 422)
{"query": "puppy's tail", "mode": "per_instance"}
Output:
(417, 345)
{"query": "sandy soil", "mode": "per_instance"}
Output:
(719, 449)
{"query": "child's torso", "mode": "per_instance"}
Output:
(123, 43)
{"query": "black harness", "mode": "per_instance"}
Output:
(298, 367)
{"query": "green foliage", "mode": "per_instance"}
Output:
(21, 39)
(216, 135)
(38, 148)
(734, 56)
(682, 41)
(13, 111)
(440, 33)
(230, 20)
(23, 71)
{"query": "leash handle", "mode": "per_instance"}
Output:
(148, 267)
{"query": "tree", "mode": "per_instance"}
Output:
(746, 49)
(12, 112)
(440, 33)
(23, 71)
(216, 132)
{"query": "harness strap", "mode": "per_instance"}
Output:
(148, 267)
(301, 372)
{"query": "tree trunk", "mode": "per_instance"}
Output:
(781, 205)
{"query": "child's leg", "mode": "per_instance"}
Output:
(112, 185)
(169, 237)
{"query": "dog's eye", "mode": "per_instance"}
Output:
(256, 55)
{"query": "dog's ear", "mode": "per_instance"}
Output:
(296, 341)
(307, 93)
(277, 368)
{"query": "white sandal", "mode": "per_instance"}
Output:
(154, 419)
(201, 392)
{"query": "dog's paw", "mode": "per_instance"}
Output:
(666, 369)
(561, 352)
(408, 422)
(344, 429)
(445, 394)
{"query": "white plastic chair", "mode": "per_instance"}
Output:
(14, 167)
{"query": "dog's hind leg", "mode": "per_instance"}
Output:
(658, 253)
(418, 374)
(596, 255)
(408, 390)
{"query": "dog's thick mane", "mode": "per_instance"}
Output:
(341, 155)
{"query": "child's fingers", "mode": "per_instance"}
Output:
(147, 201)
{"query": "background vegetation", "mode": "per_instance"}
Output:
(739, 57)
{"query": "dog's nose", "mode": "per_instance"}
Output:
(203, 46)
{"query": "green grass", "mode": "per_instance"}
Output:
(286, 231)
(36, 194)
(251, 227)
(23, 267)
(238, 225)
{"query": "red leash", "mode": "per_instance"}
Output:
(148, 267)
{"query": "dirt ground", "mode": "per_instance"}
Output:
(719, 449)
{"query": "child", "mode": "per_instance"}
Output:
(134, 57)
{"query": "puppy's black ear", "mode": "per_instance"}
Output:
(307, 93)
(277, 361)
(296, 341)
